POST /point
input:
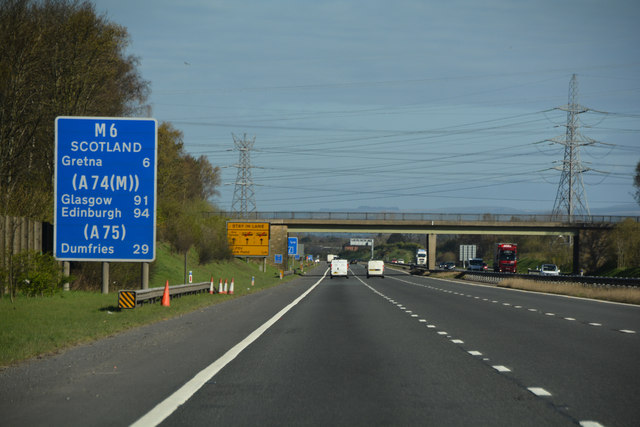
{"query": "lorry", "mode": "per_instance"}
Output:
(330, 258)
(339, 267)
(375, 268)
(421, 257)
(505, 257)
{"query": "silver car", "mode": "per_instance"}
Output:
(549, 270)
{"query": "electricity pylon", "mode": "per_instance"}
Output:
(571, 198)
(244, 201)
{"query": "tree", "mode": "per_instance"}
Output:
(184, 186)
(57, 58)
(625, 242)
(396, 238)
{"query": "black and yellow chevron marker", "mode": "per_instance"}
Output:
(127, 299)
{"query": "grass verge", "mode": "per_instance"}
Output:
(33, 327)
(624, 295)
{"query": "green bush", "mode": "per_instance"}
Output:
(37, 274)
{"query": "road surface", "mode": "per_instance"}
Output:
(403, 350)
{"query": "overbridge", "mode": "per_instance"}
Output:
(283, 223)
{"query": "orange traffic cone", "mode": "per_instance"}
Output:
(166, 299)
(211, 290)
(220, 287)
(231, 287)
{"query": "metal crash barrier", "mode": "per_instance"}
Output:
(133, 298)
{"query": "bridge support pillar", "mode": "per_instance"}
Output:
(576, 253)
(431, 251)
(278, 243)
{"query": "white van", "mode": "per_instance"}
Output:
(339, 267)
(375, 268)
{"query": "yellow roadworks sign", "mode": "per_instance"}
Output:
(127, 299)
(248, 238)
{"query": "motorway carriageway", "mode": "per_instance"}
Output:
(403, 350)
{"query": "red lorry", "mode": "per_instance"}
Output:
(505, 257)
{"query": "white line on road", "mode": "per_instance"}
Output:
(501, 368)
(539, 391)
(165, 408)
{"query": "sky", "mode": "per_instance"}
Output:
(413, 106)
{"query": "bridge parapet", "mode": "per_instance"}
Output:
(439, 217)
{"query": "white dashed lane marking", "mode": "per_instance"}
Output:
(538, 391)
(507, 304)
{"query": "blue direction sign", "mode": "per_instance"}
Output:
(292, 246)
(105, 189)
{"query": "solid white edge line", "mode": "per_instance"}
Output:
(168, 406)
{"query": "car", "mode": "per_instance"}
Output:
(477, 264)
(549, 270)
(449, 265)
(353, 261)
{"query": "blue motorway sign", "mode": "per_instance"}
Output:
(277, 259)
(105, 189)
(292, 246)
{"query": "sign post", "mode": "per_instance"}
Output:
(105, 189)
